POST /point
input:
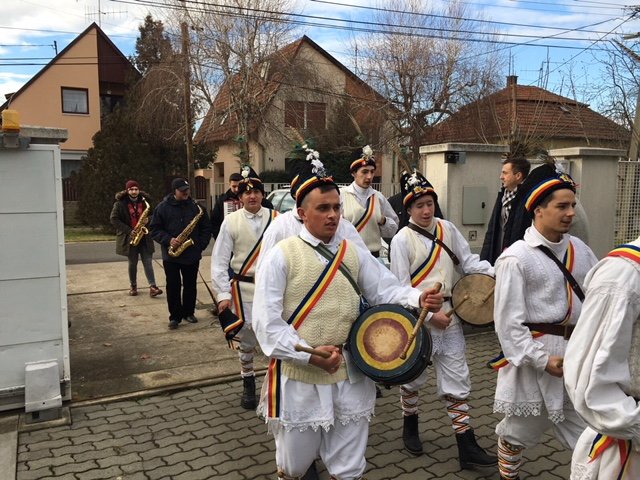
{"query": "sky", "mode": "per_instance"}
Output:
(543, 40)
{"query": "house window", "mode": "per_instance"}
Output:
(75, 100)
(305, 115)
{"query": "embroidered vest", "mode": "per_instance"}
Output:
(353, 212)
(329, 322)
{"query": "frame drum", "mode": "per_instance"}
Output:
(477, 309)
(377, 339)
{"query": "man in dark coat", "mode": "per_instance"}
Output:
(181, 256)
(130, 207)
(514, 171)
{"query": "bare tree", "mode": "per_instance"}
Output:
(427, 62)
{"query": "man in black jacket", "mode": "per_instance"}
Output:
(170, 219)
(514, 171)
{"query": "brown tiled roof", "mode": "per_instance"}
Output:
(539, 115)
(220, 125)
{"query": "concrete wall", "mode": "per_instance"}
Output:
(481, 168)
(595, 171)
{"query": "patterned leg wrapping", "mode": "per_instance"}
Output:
(409, 401)
(458, 411)
(509, 459)
(246, 363)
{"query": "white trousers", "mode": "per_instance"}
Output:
(607, 466)
(341, 448)
(527, 431)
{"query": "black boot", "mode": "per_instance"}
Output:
(311, 473)
(410, 435)
(248, 399)
(471, 454)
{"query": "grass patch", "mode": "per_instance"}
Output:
(86, 234)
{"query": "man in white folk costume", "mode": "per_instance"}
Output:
(537, 302)
(237, 248)
(427, 251)
(305, 297)
(602, 369)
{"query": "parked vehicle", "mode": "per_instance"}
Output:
(281, 200)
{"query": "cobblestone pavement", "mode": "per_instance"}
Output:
(202, 433)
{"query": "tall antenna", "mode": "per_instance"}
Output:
(93, 14)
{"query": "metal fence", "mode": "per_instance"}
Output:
(627, 224)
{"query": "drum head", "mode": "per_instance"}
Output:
(377, 340)
(472, 299)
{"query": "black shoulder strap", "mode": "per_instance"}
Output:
(431, 237)
(567, 274)
(326, 253)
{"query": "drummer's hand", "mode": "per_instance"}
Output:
(431, 300)
(440, 320)
(223, 305)
(554, 366)
(331, 364)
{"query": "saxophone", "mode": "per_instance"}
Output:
(183, 238)
(140, 230)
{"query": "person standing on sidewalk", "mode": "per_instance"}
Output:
(538, 299)
(238, 244)
(308, 401)
(602, 373)
(427, 251)
(131, 208)
(183, 230)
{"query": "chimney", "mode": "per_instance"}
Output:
(512, 80)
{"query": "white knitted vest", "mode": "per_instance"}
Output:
(353, 211)
(444, 271)
(244, 238)
(330, 320)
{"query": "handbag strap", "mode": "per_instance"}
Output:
(567, 274)
(435, 239)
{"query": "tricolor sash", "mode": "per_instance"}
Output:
(569, 262)
(626, 251)
(603, 442)
(296, 319)
(236, 294)
(426, 267)
(369, 210)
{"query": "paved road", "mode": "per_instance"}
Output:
(101, 252)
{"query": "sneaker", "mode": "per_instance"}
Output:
(154, 291)
(133, 291)
(173, 324)
(191, 319)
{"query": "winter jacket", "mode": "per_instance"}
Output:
(170, 218)
(121, 220)
(492, 245)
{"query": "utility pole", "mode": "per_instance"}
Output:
(187, 105)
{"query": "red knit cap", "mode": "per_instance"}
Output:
(131, 184)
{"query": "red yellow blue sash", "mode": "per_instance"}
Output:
(603, 442)
(296, 319)
(236, 294)
(569, 262)
(626, 251)
(426, 267)
(369, 210)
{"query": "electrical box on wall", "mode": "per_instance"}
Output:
(474, 205)
(455, 157)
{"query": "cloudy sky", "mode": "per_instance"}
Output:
(543, 36)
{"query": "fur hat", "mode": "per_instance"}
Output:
(362, 157)
(312, 175)
(414, 186)
(250, 181)
(542, 182)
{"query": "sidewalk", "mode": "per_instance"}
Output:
(121, 344)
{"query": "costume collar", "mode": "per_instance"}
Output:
(431, 228)
(307, 237)
(534, 238)
(250, 215)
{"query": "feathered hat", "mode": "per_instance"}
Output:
(311, 175)
(362, 157)
(415, 185)
(250, 181)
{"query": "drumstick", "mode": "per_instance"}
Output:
(487, 296)
(313, 351)
(416, 329)
(453, 310)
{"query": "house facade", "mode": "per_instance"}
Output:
(304, 91)
(74, 91)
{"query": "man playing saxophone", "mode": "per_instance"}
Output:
(129, 215)
(183, 230)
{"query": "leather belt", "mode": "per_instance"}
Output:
(242, 278)
(552, 329)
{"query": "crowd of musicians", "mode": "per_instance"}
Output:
(307, 288)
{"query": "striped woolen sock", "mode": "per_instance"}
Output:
(409, 401)
(246, 363)
(509, 459)
(458, 411)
